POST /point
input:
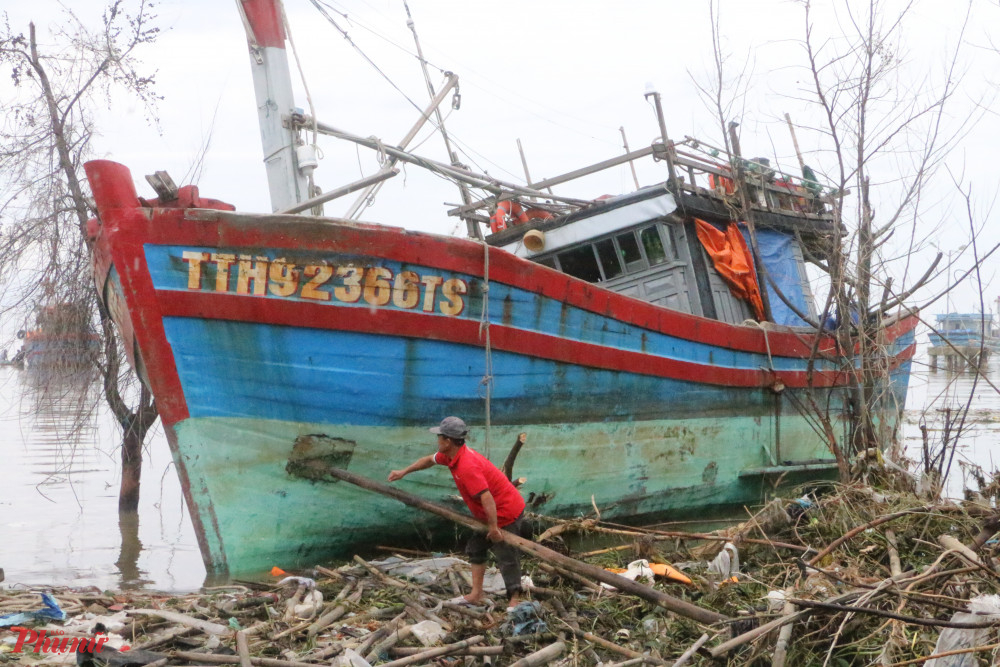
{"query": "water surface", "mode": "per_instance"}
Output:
(59, 494)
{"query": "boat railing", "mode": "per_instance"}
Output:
(699, 169)
(711, 171)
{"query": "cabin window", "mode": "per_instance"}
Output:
(609, 259)
(547, 261)
(653, 245)
(630, 253)
(580, 263)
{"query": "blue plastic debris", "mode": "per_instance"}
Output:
(524, 619)
(50, 612)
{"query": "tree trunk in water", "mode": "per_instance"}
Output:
(128, 494)
(137, 425)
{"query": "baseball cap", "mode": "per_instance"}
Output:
(451, 427)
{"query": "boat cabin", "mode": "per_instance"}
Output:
(647, 245)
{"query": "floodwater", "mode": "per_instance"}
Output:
(962, 406)
(59, 521)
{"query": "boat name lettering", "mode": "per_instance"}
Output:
(348, 283)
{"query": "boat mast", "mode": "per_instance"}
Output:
(272, 82)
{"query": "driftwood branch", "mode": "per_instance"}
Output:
(205, 626)
(541, 657)
(686, 655)
(929, 622)
(508, 464)
(214, 659)
(611, 646)
(430, 654)
(862, 528)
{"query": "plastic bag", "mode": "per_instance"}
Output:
(727, 563)
(637, 569)
(982, 609)
(350, 658)
(428, 632)
(525, 619)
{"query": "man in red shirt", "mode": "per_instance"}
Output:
(491, 498)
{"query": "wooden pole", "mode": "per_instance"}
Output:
(795, 142)
(631, 164)
(647, 593)
(734, 139)
(243, 649)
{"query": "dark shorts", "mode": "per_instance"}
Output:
(507, 556)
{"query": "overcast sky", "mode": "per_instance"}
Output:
(562, 77)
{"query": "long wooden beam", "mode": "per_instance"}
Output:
(647, 593)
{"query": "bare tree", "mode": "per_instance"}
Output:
(47, 134)
(871, 118)
(881, 140)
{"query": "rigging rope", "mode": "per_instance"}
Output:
(357, 48)
(302, 75)
(361, 25)
(484, 333)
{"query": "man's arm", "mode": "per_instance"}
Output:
(422, 463)
(490, 507)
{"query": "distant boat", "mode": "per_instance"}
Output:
(968, 331)
(60, 338)
(17, 360)
(622, 334)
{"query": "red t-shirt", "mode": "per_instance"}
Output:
(473, 473)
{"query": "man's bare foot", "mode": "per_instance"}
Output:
(472, 598)
(514, 600)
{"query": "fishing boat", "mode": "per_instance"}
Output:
(61, 338)
(630, 337)
(964, 338)
(966, 330)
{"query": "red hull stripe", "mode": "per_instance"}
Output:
(463, 256)
(401, 323)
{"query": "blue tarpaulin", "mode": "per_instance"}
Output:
(777, 253)
(50, 611)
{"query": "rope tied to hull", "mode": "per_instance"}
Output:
(767, 342)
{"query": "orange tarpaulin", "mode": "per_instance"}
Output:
(733, 261)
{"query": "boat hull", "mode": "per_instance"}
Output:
(257, 332)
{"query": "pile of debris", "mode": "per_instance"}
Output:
(852, 576)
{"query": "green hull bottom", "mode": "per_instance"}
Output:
(250, 513)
